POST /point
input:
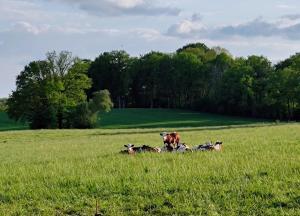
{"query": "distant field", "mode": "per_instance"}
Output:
(8, 124)
(63, 172)
(148, 118)
(165, 118)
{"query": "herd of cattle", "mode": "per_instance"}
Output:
(172, 144)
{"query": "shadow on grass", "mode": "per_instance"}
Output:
(166, 118)
(156, 130)
(155, 119)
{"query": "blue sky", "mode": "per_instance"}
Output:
(30, 28)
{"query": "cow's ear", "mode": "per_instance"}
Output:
(125, 146)
(132, 145)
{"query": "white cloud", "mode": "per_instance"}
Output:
(285, 28)
(127, 3)
(30, 28)
(147, 34)
(188, 27)
(284, 6)
(120, 7)
(15, 10)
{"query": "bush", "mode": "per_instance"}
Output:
(82, 117)
(85, 114)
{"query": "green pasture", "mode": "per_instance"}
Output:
(166, 118)
(64, 172)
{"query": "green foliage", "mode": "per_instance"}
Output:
(83, 117)
(148, 79)
(64, 172)
(47, 90)
(284, 92)
(3, 104)
(197, 47)
(201, 78)
(195, 77)
(101, 101)
(30, 101)
(111, 70)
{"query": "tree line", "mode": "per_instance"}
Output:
(201, 78)
(63, 91)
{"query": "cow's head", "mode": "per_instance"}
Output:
(218, 146)
(164, 136)
(129, 147)
(157, 149)
(182, 147)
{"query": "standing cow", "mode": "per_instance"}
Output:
(171, 140)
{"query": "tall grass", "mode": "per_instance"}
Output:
(64, 172)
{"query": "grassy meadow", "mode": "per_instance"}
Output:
(165, 118)
(52, 172)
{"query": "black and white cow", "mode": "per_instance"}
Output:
(131, 149)
(209, 146)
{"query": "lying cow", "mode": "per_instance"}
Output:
(146, 148)
(131, 149)
(171, 140)
(182, 147)
(209, 147)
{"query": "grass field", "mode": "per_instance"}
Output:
(63, 172)
(164, 118)
(148, 118)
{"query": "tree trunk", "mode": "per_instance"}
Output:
(60, 120)
(119, 102)
(289, 110)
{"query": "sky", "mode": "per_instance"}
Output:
(31, 28)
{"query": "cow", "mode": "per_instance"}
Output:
(182, 147)
(131, 149)
(218, 146)
(171, 140)
(146, 148)
(209, 147)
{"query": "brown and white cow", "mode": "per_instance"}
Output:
(171, 140)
